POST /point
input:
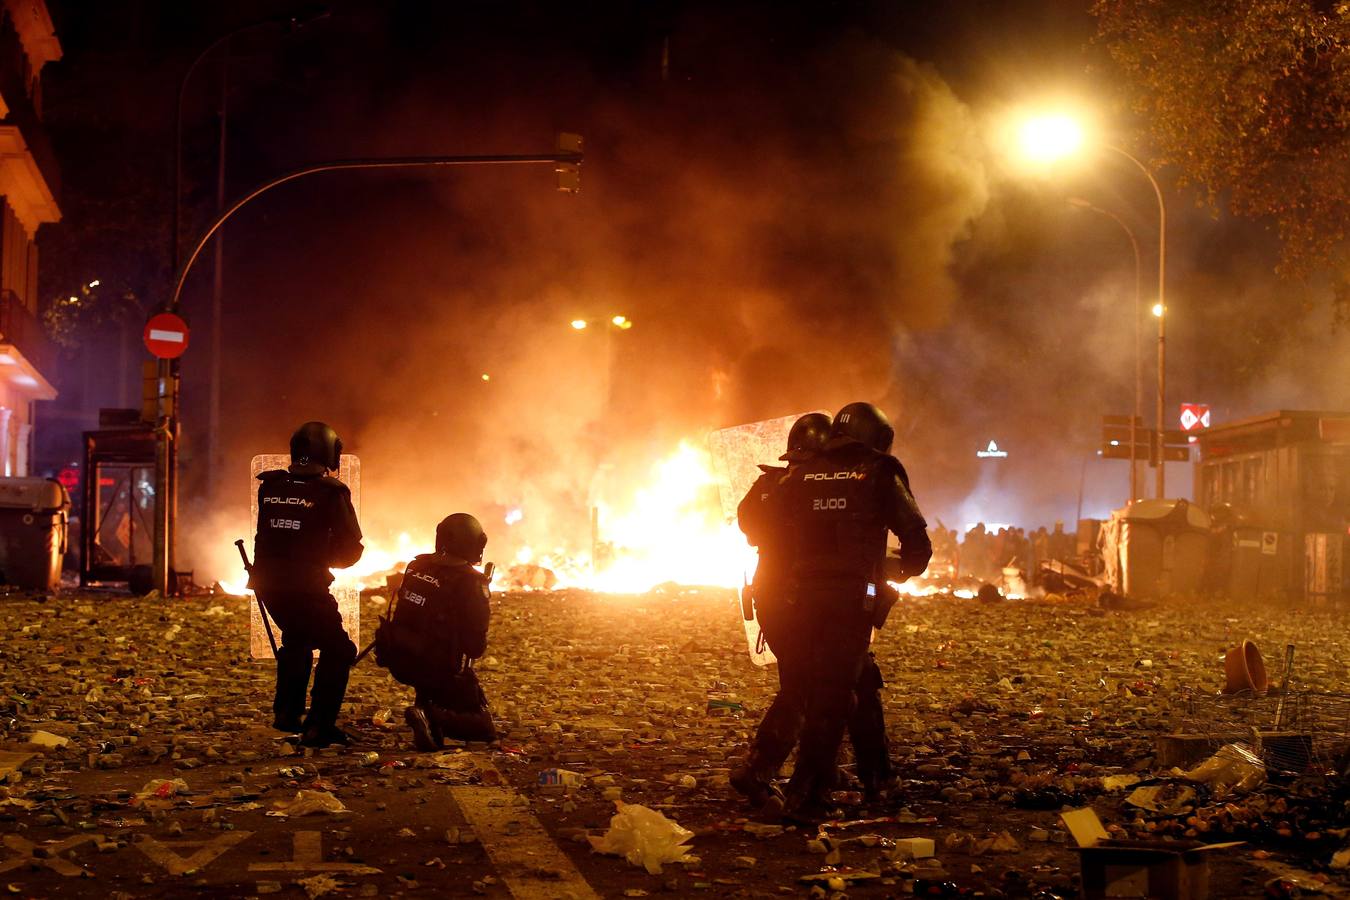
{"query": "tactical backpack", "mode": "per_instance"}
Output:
(393, 647)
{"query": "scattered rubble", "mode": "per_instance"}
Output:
(1000, 714)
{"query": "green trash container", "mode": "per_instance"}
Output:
(34, 513)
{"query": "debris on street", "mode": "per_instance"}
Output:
(1040, 705)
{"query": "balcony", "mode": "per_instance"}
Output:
(29, 176)
(26, 346)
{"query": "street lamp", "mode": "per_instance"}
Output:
(618, 322)
(1135, 419)
(610, 324)
(1049, 138)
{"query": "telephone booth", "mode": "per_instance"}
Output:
(118, 507)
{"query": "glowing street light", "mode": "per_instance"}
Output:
(622, 323)
(607, 325)
(1049, 138)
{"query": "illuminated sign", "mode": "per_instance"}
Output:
(992, 452)
(69, 478)
(1194, 416)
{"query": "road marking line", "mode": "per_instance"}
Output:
(166, 855)
(53, 860)
(530, 864)
(308, 857)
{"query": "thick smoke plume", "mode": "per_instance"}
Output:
(771, 238)
(793, 211)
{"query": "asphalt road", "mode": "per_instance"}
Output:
(992, 710)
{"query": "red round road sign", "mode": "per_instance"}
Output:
(166, 335)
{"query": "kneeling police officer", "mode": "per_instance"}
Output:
(307, 525)
(437, 627)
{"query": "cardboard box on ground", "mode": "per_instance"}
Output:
(1166, 870)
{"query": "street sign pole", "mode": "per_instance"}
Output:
(166, 337)
(164, 460)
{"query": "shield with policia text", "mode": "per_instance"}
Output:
(348, 598)
(737, 454)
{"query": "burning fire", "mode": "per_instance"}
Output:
(670, 528)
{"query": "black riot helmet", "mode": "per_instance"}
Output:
(865, 423)
(315, 442)
(461, 535)
(808, 436)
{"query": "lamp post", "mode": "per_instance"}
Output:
(1080, 203)
(1045, 139)
(1161, 312)
(566, 161)
(167, 373)
(610, 325)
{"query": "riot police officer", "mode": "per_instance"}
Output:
(836, 508)
(788, 635)
(437, 627)
(776, 610)
(306, 525)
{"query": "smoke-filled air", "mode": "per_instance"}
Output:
(766, 255)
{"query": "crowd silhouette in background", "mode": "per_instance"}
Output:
(983, 552)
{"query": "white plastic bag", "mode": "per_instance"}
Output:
(160, 792)
(307, 803)
(644, 837)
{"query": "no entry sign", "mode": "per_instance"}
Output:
(166, 335)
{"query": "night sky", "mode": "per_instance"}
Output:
(804, 205)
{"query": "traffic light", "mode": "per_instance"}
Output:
(569, 173)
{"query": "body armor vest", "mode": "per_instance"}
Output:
(441, 614)
(832, 513)
(295, 520)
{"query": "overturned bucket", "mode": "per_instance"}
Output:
(1245, 670)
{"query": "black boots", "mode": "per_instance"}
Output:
(426, 737)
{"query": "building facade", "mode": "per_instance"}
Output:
(29, 185)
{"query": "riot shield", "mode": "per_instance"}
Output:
(737, 453)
